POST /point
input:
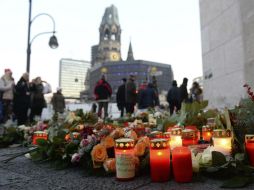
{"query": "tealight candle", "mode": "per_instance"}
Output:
(249, 145)
(159, 160)
(175, 138)
(39, 135)
(222, 141)
(124, 153)
(182, 164)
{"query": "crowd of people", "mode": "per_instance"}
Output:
(146, 96)
(24, 101)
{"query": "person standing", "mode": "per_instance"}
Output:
(102, 92)
(120, 97)
(58, 101)
(7, 87)
(183, 91)
(196, 93)
(22, 99)
(173, 98)
(38, 101)
(148, 97)
(130, 94)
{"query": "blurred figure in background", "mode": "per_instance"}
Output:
(22, 99)
(196, 93)
(58, 101)
(130, 94)
(148, 97)
(173, 98)
(38, 102)
(102, 92)
(120, 97)
(7, 85)
(183, 91)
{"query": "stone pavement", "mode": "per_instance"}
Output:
(21, 173)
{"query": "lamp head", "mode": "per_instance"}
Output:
(53, 43)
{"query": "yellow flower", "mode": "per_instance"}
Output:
(110, 165)
(99, 155)
(139, 149)
(108, 142)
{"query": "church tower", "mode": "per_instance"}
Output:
(109, 47)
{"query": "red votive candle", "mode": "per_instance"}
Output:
(39, 135)
(189, 137)
(249, 145)
(124, 153)
(207, 133)
(159, 160)
(182, 164)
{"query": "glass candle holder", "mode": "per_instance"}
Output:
(249, 146)
(189, 137)
(156, 135)
(159, 160)
(124, 153)
(175, 138)
(222, 141)
(182, 164)
(207, 133)
(39, 135)
(166, 135)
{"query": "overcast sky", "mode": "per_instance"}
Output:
(165, 31)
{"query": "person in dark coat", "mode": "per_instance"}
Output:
(102, 92)
(173, 98)
(58, 101)
(22, 99)
(130, 94)
(120, 97)
(148, 97)
(38, 101)
(183, 91)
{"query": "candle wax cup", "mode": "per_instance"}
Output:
(222, 144)
(189, 141)
(175, 141)
(160, 164)
(250, 151)
(125, 166)
(206, 135)
(182, 164)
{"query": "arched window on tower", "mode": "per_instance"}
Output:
(106, 34)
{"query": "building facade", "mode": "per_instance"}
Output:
(72, 77)
(227, 30)
(107, 59)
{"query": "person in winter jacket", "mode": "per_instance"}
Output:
(130, 94)
(120, 97)
(173, 98)
(102, 93)
(7, 85)
(38, 102)
(22, 99)
(148, 97)
(58, 101)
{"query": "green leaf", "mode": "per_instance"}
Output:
(42, 142)
(239, 156)
(218, 159)
(236, 182)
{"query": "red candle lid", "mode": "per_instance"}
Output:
(189, 133)
(176, 131)
(40, 133)
(124, 143)
(159, 143)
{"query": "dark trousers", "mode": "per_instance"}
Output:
(7, 109)
(21, 115)
(130, 107)
(103, 105)
(174, 106)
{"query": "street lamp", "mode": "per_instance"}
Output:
(53, 43)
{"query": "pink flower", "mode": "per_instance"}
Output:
(75, 158)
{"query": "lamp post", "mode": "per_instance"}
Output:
(53, 43)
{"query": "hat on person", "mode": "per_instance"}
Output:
(58, 88)
(7, 71)
(124, 79)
